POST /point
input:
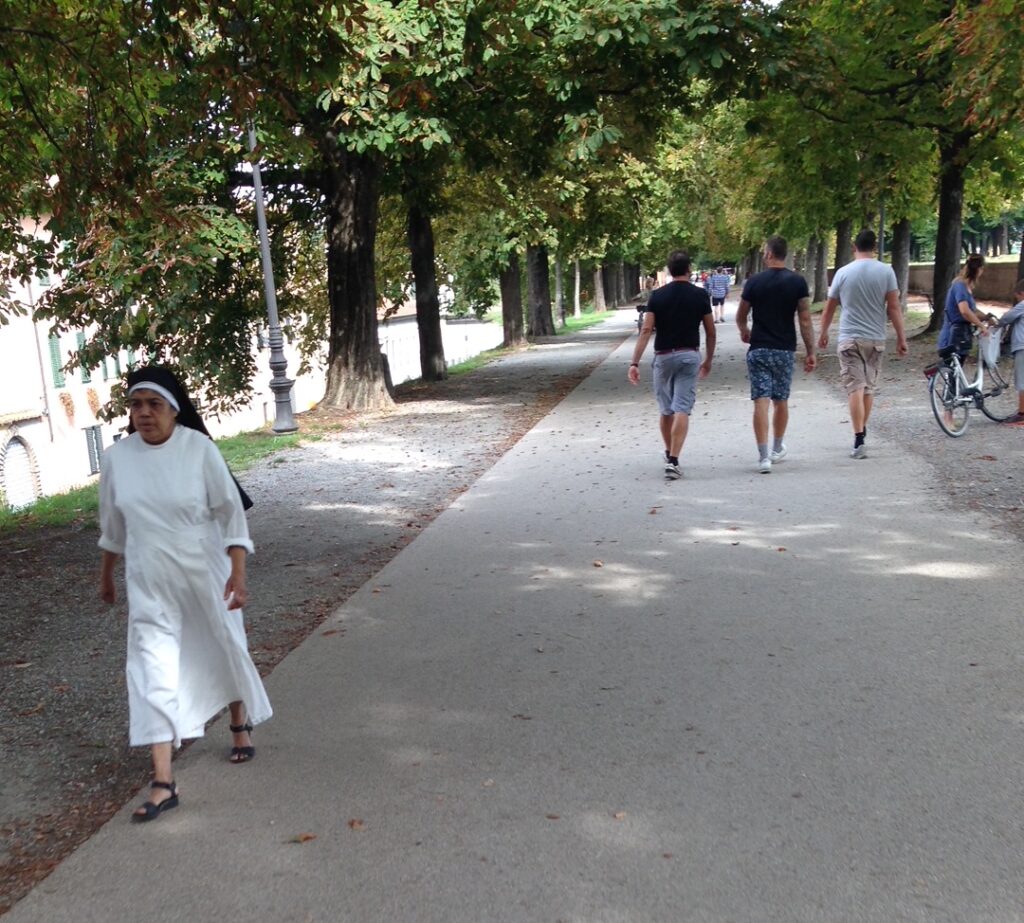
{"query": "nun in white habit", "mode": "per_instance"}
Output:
(170, 506)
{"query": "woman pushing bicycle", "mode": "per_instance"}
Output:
(961, 312)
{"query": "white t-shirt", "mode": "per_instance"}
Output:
(861, 287)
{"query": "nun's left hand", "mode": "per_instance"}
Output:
(235, 593)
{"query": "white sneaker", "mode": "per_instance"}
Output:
(765, 466)
(778, 456)
(672, 472)
(860, 451)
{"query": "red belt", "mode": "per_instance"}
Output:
(681, 349)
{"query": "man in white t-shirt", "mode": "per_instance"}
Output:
(867, 291)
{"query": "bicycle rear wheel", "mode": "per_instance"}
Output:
(999, 397)
(951, 414)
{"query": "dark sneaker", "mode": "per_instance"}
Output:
(672, 472)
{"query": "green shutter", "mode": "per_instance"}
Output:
(86, 377)
(55, 363)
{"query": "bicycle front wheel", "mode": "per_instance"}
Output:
(999, 396)
(951, 414)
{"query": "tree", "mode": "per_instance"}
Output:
(151, 101)
(874, 64)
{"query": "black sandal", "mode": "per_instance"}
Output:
(241, 754)
(150, 810)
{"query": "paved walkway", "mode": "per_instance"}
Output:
(587, 694)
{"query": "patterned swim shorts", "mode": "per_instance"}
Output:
(770, 372)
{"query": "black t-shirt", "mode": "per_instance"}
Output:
(678, 309)
(773, 296)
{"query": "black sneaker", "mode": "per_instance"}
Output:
(672, 472)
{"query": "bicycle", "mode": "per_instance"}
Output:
(952, 395)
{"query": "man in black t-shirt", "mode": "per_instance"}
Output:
(675, 313)
(775, 296)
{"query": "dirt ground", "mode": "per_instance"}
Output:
(327, 517)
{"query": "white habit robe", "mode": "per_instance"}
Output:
(173, 511)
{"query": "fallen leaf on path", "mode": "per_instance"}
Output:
(782, 549)
(653, 510)
(488, 783)
(734, 544)
(301, 838)
(552, 817)
(619, 815)
(329, 632)
(987, 458)
(32, 711)
(357, 824)
(599, 564)
(522, 717)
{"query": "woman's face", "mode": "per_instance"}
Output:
(152, 416)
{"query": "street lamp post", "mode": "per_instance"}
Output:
(280, 384)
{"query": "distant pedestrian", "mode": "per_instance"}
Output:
(169, 505)
(867, 290)
(719, 289)
(774, 297)
(675, 314)
(1012, 319)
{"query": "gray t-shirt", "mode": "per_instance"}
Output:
(861, 287)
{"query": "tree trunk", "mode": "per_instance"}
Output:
(811, 264)
(599, 302)
(621, 296)
(901, 257)
(577, 307)
(632, 281)
(512, 302)
(608, 286)
(951, 211)
(559, 292)
(538, 292)
(821, 274)
(1020, 261)
(844, 242)
(355, 374)
(428, 308)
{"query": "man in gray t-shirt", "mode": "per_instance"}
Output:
(867, 291)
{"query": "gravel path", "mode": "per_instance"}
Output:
(327, 517)
(62, 704)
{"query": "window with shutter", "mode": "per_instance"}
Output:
(94, 443)
(55, 363)
(86, 377)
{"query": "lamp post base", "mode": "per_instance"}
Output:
(284, 419)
